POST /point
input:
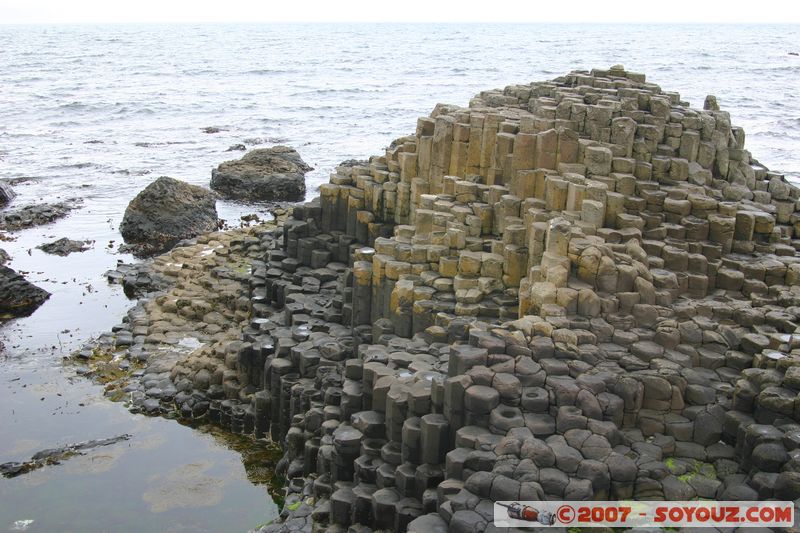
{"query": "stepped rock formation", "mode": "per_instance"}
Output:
(577, 289)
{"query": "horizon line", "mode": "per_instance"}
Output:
(465, 22)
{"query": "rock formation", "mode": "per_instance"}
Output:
(18, 297)
(265, 174)
(576, 289)
(29, 216)
(166, 212)
(65, 246)
(6, 194)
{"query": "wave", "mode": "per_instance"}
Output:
(311, 108)
(140, 111)
(80, 166)
(127, 172)
(265, 140)
(29, 79)
(197, 72)
(268, 71)
(75, 106)
(147, 144)
(775, 135)
(348, 90)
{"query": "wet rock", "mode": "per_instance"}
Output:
(137, 279)
(65, 246)
(739, 492)
(787, 486)
(704, 486)
(553, 481)
(35, 215)
(429, 523)
(350, 163)
(539, 452)
(4, 257)
(265, 174)
(18, 297)
(769, 456)
(166, 212)
(55, 455)
(621, 468)
(6, 194)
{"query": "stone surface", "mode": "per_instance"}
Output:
(18, 297)
(6, 194)
(166, 212)
(65, 246)
(264, 174)
(28, 216)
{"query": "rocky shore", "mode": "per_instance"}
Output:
(580, 289)
(19, 297)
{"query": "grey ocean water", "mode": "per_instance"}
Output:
(98, 112)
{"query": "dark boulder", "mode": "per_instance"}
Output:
(6, 194)
(166, 212)
(265, 174)
(18, 297)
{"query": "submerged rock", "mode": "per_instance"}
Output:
(266, 174)
(19, 297)
(65, 246)
(6, 194)
(36, 215)
(166, 212)
(54, 456)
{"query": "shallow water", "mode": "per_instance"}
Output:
(167, 477)
(97, 112)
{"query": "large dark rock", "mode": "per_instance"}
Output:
(6, 194)
(166, 212)
(18, 297)
(266, 174)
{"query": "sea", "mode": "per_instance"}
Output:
(97, 112)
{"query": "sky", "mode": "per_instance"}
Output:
(623, 11)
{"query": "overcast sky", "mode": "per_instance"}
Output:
(100, 11)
